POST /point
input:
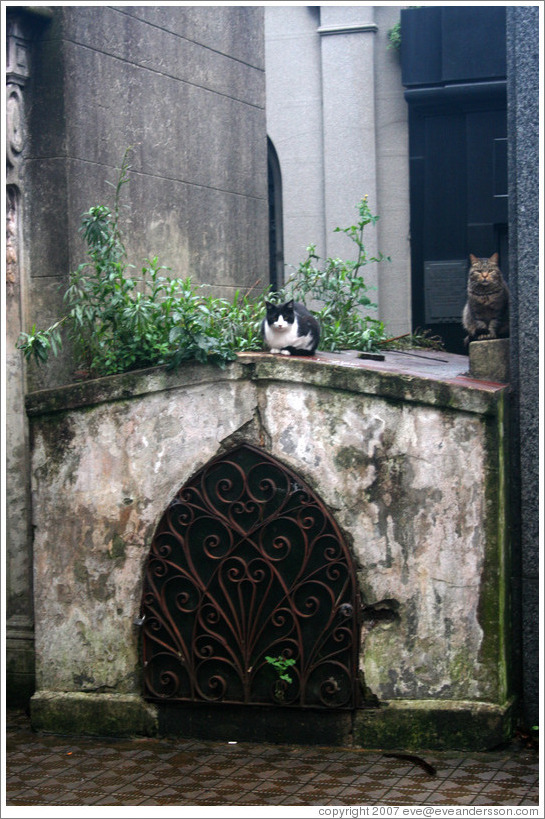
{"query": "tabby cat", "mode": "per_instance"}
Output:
(290, 329)
(486, 313)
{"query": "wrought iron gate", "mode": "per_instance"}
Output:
(246, 563)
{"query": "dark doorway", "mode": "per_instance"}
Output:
(456, 91)
(276, 243)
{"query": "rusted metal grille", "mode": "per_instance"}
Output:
(247, 563)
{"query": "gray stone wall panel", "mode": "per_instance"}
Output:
(228, 31)
(131, 39)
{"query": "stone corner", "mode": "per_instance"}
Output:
(489, 360)
(439, 725)
(77, 713)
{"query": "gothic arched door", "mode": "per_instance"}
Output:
(246, 563)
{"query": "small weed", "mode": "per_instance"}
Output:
(394, 37)
(280, 665)
(408, 341)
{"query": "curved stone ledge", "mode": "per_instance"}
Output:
(127, 385)
(438, 380)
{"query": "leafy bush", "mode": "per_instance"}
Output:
(394, 36)
(119, 321)
(340, 289)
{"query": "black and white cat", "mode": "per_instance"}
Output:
(290, 329)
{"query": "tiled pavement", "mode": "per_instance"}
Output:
(58, 770)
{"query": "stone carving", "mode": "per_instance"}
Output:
(11, 240)
(17, 73)
(15, 124)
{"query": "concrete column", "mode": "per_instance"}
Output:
(294, 124)
(523, 167)
(350, 165)
(392, 148)
(19, 601)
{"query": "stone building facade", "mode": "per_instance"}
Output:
(337, 118)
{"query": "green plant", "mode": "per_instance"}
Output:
(118, 321)
(280, 664)
(394, 36)
(38, 344)
(340, 290)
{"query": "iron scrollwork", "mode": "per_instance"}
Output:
(247, 563)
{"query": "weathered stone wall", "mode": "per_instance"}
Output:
(185, 86)
(21, 26)
(411, 468)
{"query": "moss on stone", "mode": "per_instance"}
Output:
(80, 572)
(350, 457)
(118, 548)
(434, 725)
(76, 713)
(494, 601)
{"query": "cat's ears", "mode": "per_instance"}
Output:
(270, 306)
(494, 258)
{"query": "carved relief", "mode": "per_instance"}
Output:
(15, 124)
(11, 240)
(17, 54)
(17, 73)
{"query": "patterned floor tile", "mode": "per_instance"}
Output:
(515, 778)
(440, 797)
(498, 795)
(371, 795)
(407, 796)
(454, 791)
(529, 800)
(49, 770)
(282, 787)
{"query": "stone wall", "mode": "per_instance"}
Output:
(524, 259)
(411, 467)
(185, 87)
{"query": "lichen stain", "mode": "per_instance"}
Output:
(350, 457)
(118, 549)
(287, 442)
(58, 434)
(98, 585)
